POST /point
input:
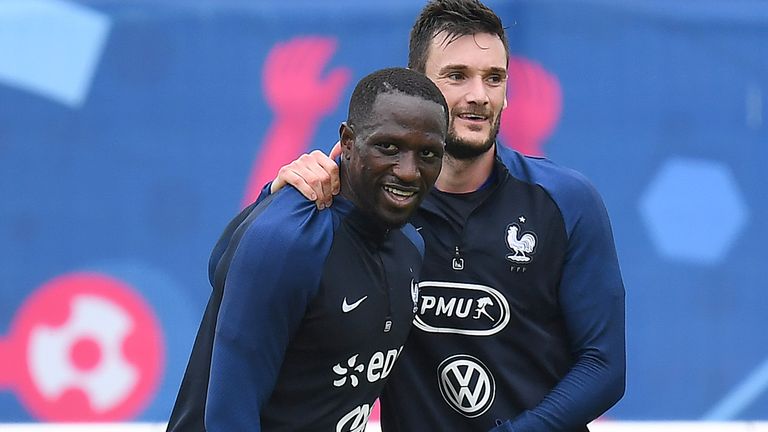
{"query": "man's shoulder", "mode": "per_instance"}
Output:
(286, 219)
(575, 196)
(545, 173)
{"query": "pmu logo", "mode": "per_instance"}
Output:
(466, 385)
(355, 420)
(84, 347)
(460, 308)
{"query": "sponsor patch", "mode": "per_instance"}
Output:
(460, 308)
(466, 384)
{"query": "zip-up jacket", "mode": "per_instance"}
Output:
(520, 325)
(308, 313)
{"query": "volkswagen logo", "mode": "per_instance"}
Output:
(466, 385)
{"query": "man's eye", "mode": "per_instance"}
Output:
(455, 76)
(387, 147)
(428, 154)
(495, 79)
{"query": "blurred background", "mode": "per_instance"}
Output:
(132, 131)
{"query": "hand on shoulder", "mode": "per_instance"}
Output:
(314, 174)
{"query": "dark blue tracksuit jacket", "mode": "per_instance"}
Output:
(308, 314)
(521, 317)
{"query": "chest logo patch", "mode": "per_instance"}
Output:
(376, 368)
(346, 307)
(521, 244)
(461, 308)
(466, 384)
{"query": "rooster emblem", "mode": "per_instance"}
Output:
(521, 246)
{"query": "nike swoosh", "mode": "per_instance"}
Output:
(419, 228)
(348, 307)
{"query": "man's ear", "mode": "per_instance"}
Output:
(347, 140)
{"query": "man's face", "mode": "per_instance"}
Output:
(471, 72)
(396, 157)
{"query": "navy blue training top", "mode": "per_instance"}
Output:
(520, 324)
(308, 314)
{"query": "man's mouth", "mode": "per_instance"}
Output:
(473, 117)
(400, 194)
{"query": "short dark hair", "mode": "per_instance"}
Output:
(453, 18)
(391, 80)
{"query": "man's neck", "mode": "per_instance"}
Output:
(465, 175)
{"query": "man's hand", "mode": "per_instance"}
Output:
(299, 94)
(315, 175)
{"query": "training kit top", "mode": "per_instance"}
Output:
(309, 311)
(521, 317)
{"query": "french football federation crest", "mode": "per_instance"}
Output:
(522, 245)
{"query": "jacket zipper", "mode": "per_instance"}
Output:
(457, 262)
(388, 319)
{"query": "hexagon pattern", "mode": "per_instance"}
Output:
(693, 210)
(127, 128)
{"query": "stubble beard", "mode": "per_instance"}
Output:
(464, 150)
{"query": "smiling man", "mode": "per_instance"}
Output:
(310, 309)
(521, 323)
(471, 72)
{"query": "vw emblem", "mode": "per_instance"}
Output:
(466, 385)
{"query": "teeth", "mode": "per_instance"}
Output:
(398, 192)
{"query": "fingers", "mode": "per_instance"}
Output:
(328, 165)
(278, 183)
(322, 174)
(288, 176)
(314, 175)
(335, 151)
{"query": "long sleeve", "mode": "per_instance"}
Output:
(272, 276)
(592, 302)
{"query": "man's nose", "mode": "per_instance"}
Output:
(407, 168)
(477, 93)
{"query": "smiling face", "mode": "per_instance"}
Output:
(471, 72)
(393, 159)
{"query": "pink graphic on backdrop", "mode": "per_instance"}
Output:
(300, 94)
(534, 104)
(84, 347)
(375, 412)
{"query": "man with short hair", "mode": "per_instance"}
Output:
(521, 321)
(310, 309)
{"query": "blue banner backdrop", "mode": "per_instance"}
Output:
(130, 132)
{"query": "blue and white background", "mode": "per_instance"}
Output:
(132, 131)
